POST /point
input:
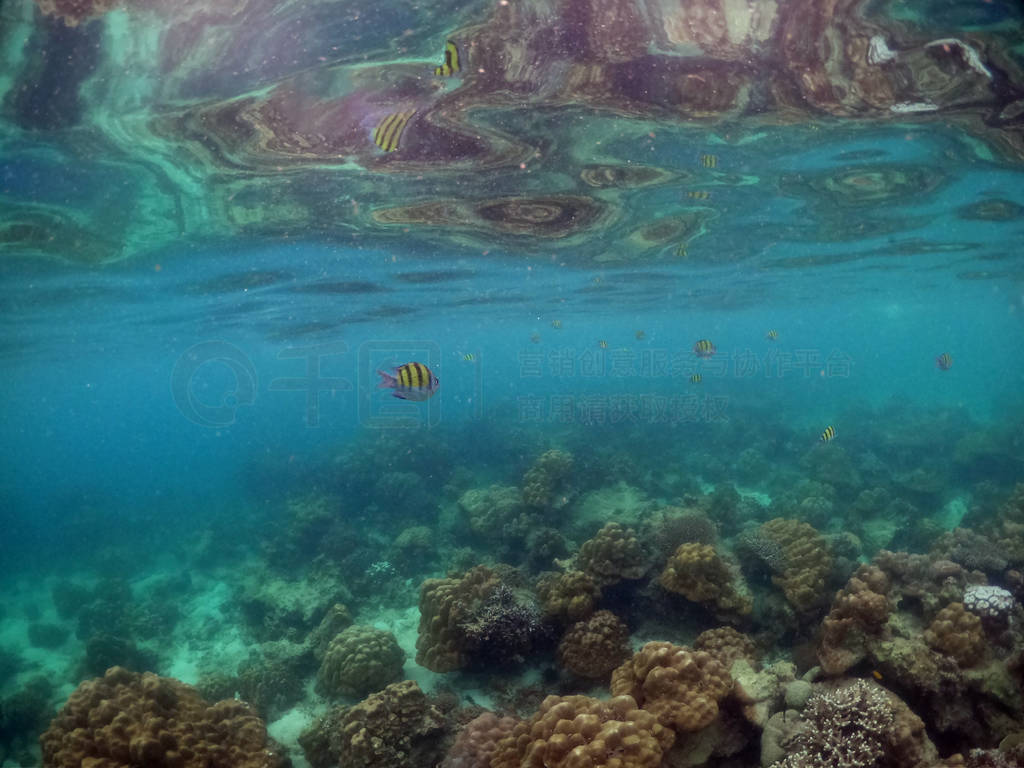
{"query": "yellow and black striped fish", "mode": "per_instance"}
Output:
(828, 434)
(698, 194)
(703, 348)
(535, 338)
(944, 361)
(388, 132)
(469, 357)
(772, 334)
(556, 324)
(451, 61)
(640, 335)
(709, 161)
(696, 378)
(412, 381)
(681, 250)
(602, 344)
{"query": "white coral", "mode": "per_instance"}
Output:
(988, 602)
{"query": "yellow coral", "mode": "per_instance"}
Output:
(680, 687)
(594, 647)
(612, 555)
(727, 645)
(570, 595)
(698, 573)
(806, 561)
(957, 632)
(583, 732)
(443, 604)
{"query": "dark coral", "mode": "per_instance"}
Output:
(594, 647)
(503, 628)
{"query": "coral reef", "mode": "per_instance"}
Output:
(475, 744)
(337, 618)
(444, 605)
(128, 719)
(502, 629)
(273, 678)
(497, 512)
(594, 647)
(987, 602)
(681, 687)
(957, 633)
(859, 610)
(359, 661)
(398, 727)
(546, 483)
(569, 596)
(857, 724)
(806, 562)
(612, 555)
(726, 645)
(579, 732)
(699, 574)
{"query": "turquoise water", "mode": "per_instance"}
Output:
(205, 259)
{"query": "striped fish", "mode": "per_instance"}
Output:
(828, 434)
(709, 161)
(602, 344)
(703, 348)
(944, 361)
(772, 335)
(696, 378)
(451, 61)
(698, 194)
(412, 381)
(388, 132)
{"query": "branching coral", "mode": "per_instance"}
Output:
(127, 719)
(698, 573)
(568, 596)
(582, 732)
(501, 629)
(594, 647)
(359, 661)
(612, 555)
(806, 562)
(680, 687)
(846, 728)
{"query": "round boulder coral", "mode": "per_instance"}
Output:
(359, 661)
(957, 633)
(568, 596)
(593, 648)
(612, 555)
(680, 687)
(699, 574)
(583, 732)
(125, 719)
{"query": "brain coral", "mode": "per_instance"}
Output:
(570, 595)
(359, 661)
(394, 728)
(859, 612)
(806, 559)
(494, 512)
(582, 732)
(129, 719)
(697, 573)
(596, 646)
(957, 632)
(444, 605)
(680, 687)
(612, 555)
(477, 740)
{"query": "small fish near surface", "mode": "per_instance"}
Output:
(412, 381)
(451, 61)
(704, 348)
(698, 194)
(828, 434)
(556, 324)
(640, 335)
(602, 344)
(535, 338)
(388, 133)
(944, 361)
(772, 335)
(709, 161)
(469, 357)
(696, 378)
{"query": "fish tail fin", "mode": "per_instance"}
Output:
(387, 381)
